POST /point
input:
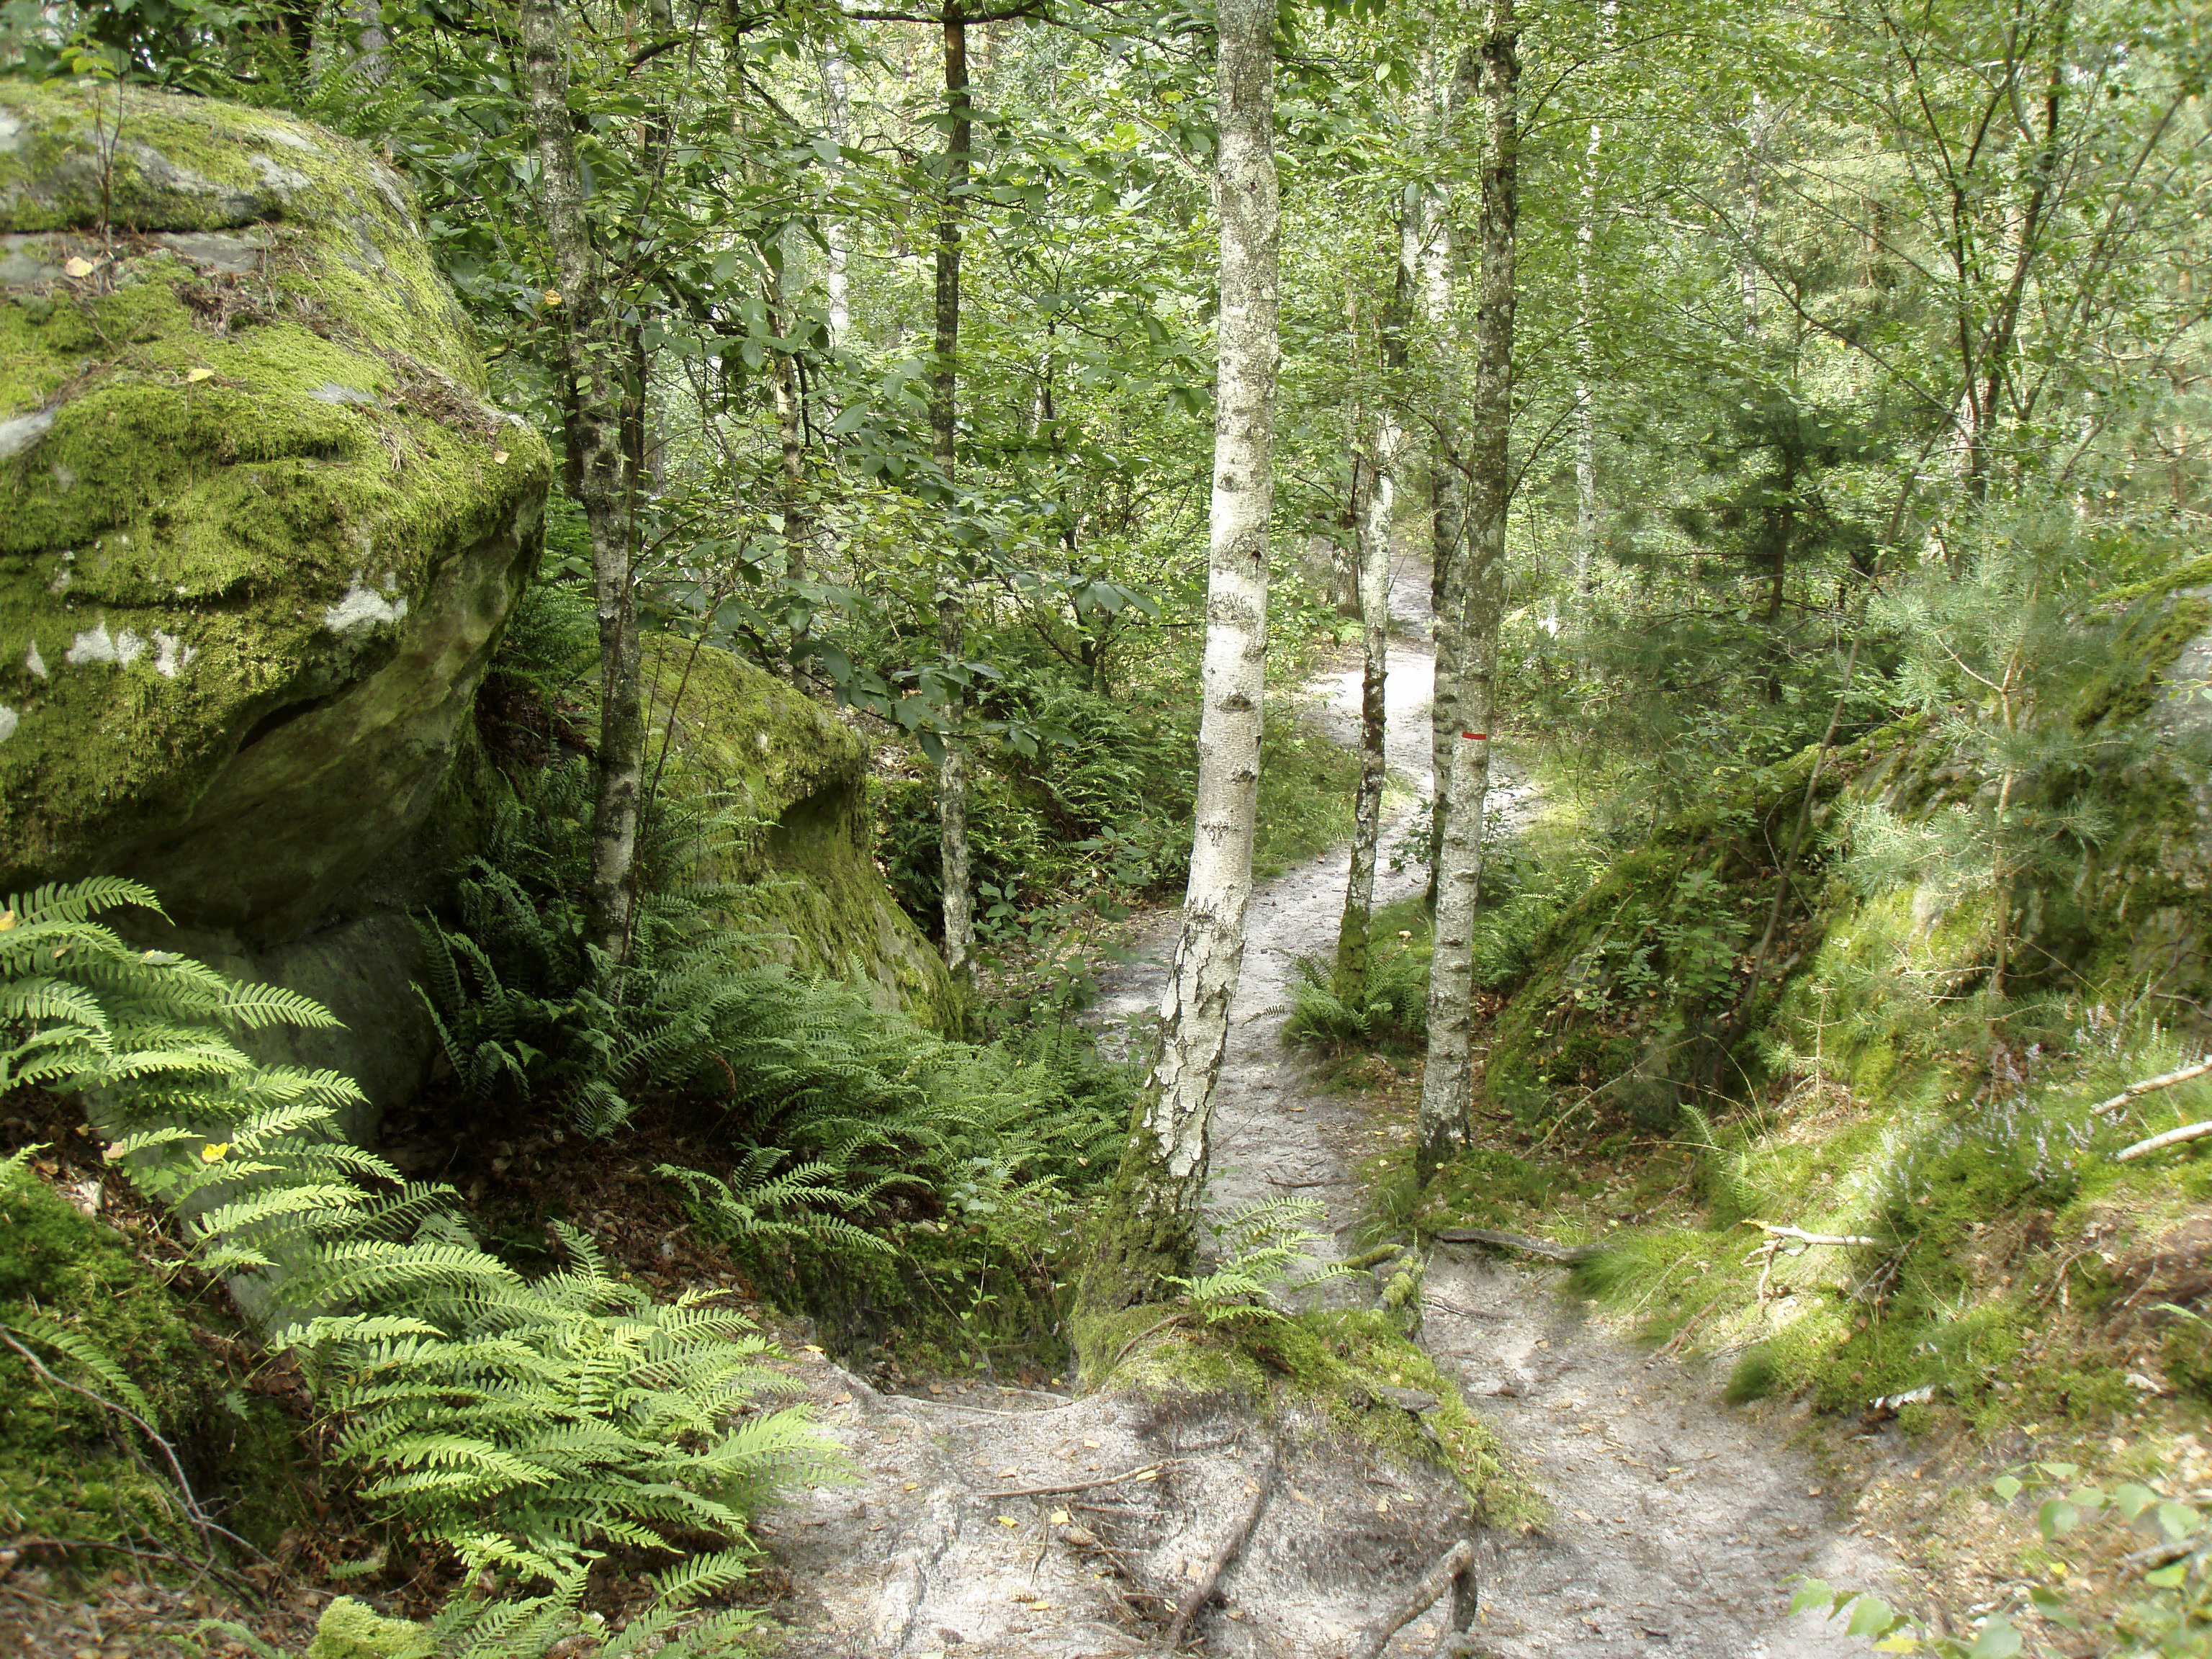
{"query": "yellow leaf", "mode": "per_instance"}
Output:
(6, 921)
(112, 1153)
(192, 374)
(1148, 1475)
(1008, 1521)
(552, 296)
(215, 1152)
(914, 1485)
(77, 266)
(1059, 1517)
(499, 458)
(1903, 1642)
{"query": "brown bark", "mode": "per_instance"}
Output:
(595, 405)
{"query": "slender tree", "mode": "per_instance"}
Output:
(1447, 1086)
(1374, 505)
(1152, 1224)
(959, 915)
(597, 409)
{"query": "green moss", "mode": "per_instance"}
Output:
(211, 448)
(353, 1630)
(793, 779)
(1325, 1368)
(70, 1468)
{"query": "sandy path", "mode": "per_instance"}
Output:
(1678, 1522)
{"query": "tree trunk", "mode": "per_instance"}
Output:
(594, 416)
(837, 113)
(1152, 1222)
(1426, 248)
(1447, 1087)
(790, 430)
(943, 424)
(1373, 497)
(1586, 509)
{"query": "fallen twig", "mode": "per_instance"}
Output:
(1148, 1470)
(1804, 1237)
(1232, 1546)
(2164, 1080)
(1375, 1635)
(1673, 1344)
(1550, 1252)
(2158, 1143)
(199, 1517)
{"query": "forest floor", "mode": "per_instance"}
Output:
(1675, 1523)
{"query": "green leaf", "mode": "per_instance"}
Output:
(2007, 1487)
(2132, 1499)
(1998, 1639)
(2176, 1519)
(2058, 1516)
(2168, 1578)
(1871, 1616)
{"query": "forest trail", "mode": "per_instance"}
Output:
(1678, 1522)
(1001, 1524)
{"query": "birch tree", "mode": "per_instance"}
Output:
(1151, 1224)
(1447, 1086)
(959, 916)
(1374, 503)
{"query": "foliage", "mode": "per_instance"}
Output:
(2170, 1612)
(527, 1426)
(1257, 1246)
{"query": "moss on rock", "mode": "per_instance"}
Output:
(262, 526)
(796, 781)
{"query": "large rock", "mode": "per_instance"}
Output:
(794, 782)
(262, 529)
(262, 523)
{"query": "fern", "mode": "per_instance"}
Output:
(528, 1426)
(1259, 1246)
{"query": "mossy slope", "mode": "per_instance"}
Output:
(262, 527)
(797, 780)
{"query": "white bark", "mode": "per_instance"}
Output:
(1447, 1084)
(1586, 525)
(1376, 499)
(1210, 950)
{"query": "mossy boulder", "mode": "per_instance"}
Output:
(262, 524)
(353, 1630)
(101, 1315)
(794, 778)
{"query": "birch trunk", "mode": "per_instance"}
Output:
(959, 914)
(1427, 249)
(1447, 1087)
(836, 237)
(593, 419)
(1152, 1223)
(1586, 525)
(1373, 500)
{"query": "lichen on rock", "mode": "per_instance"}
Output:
(263, 524)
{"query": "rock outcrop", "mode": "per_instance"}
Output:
(798, 779)
(263, 526)
(263, 530)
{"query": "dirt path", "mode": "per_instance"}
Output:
(995, 1523)
(1678, 1522)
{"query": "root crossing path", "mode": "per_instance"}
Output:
(1001, 1523)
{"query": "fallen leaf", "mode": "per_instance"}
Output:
(809, 1348)
(6, 922)
(914, 1485)
(77, 266)
(1059, 1517)
(1093, 1444)
(1812, 1491)
(1009, 1475)
(499, 458)
(215, 1152)
(193, 375)
(1008, 1521)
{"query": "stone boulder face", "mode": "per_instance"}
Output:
(262, 524)
(793, 782)
(261, 530)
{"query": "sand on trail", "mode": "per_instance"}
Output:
(1677, 1523)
